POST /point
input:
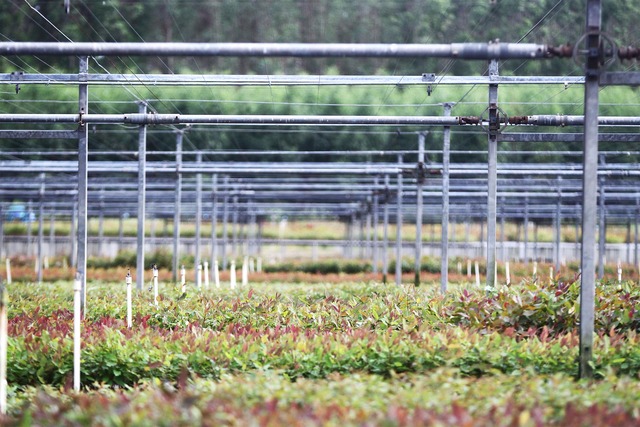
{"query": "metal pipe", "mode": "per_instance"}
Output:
(225, 220)
(197, 260)
(142, 179)
(83, 159)
(399, 226)
(376, 249)
(385, 232)
(492, 177)
(602, 225)
(214, 220)
(419, 183)
(177, 215)
(40, 228)
(444, 248)
(479, 51)
(589, 187)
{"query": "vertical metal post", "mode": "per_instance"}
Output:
(101, 223)
(234, 226)
(214, 219)
(177, 213)
(40, 227)
(419, 183)
(368, 248)
(52, 235)
(503, 251)
(225, 221)
(72, 235)
(492, 180)
(29, 229)
(399, 224)
(197, 261)
(535, 242)
(526, 231)
(385, 232)
(444, 251)
(83, 160)
(120, 231)
(635, 235)
(142, 188)
(558, 224)
(589, 186)
(628, 242)
(375, 226)
(2, 254)
(361, 239)
(602, 225)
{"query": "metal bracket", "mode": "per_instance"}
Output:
(429, 78)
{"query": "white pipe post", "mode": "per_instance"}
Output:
(128, 282)
(3, 349)
(206, 274)
(477, 274)
(507, 273)
(155, 284)
(77, 313)
(535, 269)
(245, 272)
(252, 265)
(216, 274)
(619, 272)
(183, 279)
(469, 268)
(8, 263)
(232, 274)
(199, 277)
(551, 274)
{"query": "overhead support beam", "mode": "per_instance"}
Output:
(480, 51)
(302, 120)
(566, 137)
(39, 134)
(280, 80)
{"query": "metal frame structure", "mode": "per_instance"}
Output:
(594, 53)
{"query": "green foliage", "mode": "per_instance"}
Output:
(321, 267)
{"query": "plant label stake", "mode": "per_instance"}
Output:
(46, 263)
(183, 279)
(259, 265)
(459, 267)
(216, 274)
(232, 275)
(3, 349)
(469, 268)
(245, 272)
(507, 273)
(551, 275)
(619, 272)
(206, 274)
(535, 269)
(252, 265)
(477, 274)
(155, 284)
(128, 282)
(77, 313)
(8, 263)
(199, 277)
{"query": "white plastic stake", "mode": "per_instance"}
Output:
(206, 274)
(259, 265)
(77, 313)
(619, 272)
(46, 263)
(459, 267)
(232, 275)
(507, 273)
(469, 268)
(8, 262)
(199, 277)
(183, 279)
(551, 274)
(535, 269)
(155, 284)
(128, 281)
(65, 265)
(216, 274)
(477, 274)
(245, 271)
(3, 349)
(252, 265)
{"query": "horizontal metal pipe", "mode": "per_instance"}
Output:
(279, 80)
(483, 51)
(290, 120)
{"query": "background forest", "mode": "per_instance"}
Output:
(396, 21)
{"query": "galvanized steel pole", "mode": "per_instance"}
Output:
(376, 249)
(225, 221)
(197, 259)
(602, 224)
(40, 228)
(558, 224)
(385, 232)
(214, 219)
(83, 159)
(177, 214)
(444, 248)
(420, 171)
(589, 186)
(142, 188)
(399, 224)
(492, 180)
